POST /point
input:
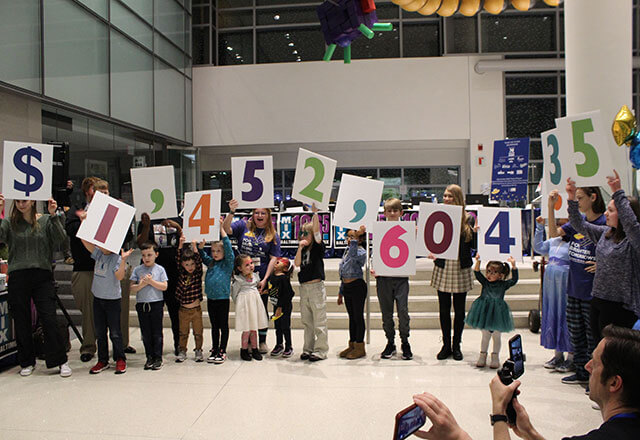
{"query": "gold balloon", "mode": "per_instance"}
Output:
(430, 7)
(448, 8)
(523, 5)
(469, 8)
(624, 125)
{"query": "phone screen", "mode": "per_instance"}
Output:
(409, 423)
(515, 352)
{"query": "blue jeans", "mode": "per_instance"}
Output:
(106, 315)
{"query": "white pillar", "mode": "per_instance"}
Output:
(599, 55)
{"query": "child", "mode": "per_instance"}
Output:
(217, 283)
(313, 306)
(390, 289)
(107, 300)
(281, 294)
(250, 314)
(489, 312)
(149, 280)
(354, 290)
(189, 295)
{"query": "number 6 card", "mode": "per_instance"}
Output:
(202, 215)
(252, 181)
(500, 234)
(394, 248)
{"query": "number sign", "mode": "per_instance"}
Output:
(27, 171)
(313, 179)
(107, 222)
(202, 215)
(154, 192)
(439, 230)
(358, 201)
(394, 245)
(500, 233)
(252, 181)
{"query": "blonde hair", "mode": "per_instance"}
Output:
(100, 185)
(393, 203)
(17, 215)
(269, 230)
(458, 199)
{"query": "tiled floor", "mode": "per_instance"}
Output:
(278, 398)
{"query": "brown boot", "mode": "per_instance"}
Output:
(358, 351)
(346, 351)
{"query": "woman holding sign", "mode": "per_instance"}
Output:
(31, 241)
(453, 279)
(616, 285)
(258, 239)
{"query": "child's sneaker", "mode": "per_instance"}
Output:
(26, 371)
(553, 363)
(388, 351)
(199, 356)
(244, 354)
(212, 356)
(65, 370)
(221, 356)
(182, 356)
(157, 364)
(287, 353)
(277, 350)
(255, 353)
(99, 367)
(566, 367)
(121, 366)
(406, 351)
(575, 379)
(149, 364)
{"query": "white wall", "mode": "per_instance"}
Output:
(389, 112)
(20, 118)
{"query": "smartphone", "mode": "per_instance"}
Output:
(408, 421)
(515, 354)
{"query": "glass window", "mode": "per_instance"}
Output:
(100, 135)
(144, 8)
(535, 150)
(200, 15)
(76, 56)
(187, 34)
(218, 180)
(277, 178)
(189, 110)
(131, 25)
(530, 117)
(20, 43)
(519, 32)
(420, 39)
(131, 75)
(276, 46)
(282, 2)
(444, 176)
(383, 45)
(286, 16)
(169, 101)
(169, 52)
(288, 177)
(533, 85)
(235, 48)
(390, 176)
(391, 192)
(169, 19)
(419, 176)
(462, 34)
(428, 192)
(387, 11)
(224, 4)
(201, 45)
(97, 6)
(227, 19)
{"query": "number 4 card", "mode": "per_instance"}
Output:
(313, 179)
(500, 234)
(202, 215)
(252, 181)
(107, 222)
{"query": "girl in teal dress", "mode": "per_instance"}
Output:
(490, 312)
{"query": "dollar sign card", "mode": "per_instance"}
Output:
(27, 171)
(358, 202)
(154, 192)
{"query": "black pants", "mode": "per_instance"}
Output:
(150, 318)
(218, 310)
(605, 312)
(173, 307)
(283, 326)
(459, 301)
(355, 295)
(106, 315)
(262, 333)
(36, 284)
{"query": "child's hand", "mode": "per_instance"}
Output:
(201, 244)
(361, 231)
(571, 189)
(373, 272)
(540, 220)
(233, 205)
(477, 257)
(125, 254)
(278, 312)
(223, 233)
(614, 182)
(339, 300)
(553, 199)
(591, 267)
(314, 208)
(303, 243)
(511, 261)
(431, 256)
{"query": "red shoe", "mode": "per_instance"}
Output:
(121, 366)
(99, 367)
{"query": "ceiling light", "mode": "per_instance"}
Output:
(291, 44)
(229, 48)
(295, 52)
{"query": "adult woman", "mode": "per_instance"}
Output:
(454, 278)
(582, 267)
(31, 240)
(258, 239)
(616, 285)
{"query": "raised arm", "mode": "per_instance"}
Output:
(514, 273)
(123, 264)
(553, 230)
(539, 244)
(226, 224)
(88, 246)
(626, 216)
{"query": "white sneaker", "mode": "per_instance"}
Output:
(26, 371)
(65, 370)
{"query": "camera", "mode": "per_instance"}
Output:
(512, 369)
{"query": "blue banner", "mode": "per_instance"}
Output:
(510, 169)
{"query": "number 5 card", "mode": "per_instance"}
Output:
(500, 234)
(27, 171)
(439, 230)
(313, 179)
(394, 248)
(107, 222)
(358, 202)
(252, 181)
(202, 215)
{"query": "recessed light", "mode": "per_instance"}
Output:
(291, 44)
(229, 48)
(276, 17)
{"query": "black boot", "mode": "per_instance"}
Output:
(457, 354)
(244, 354)
(445, 352)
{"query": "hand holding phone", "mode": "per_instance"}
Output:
(512, 369)
(408, 421)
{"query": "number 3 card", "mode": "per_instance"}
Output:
(107, 222)
(202, 215)
(252, 181)
(394, 248)
(27, 171)
(500, 234)
(358, 202)
(313, 179)
(439, 230)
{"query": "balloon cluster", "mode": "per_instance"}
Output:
(625, 131)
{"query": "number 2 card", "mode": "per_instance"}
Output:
(313, 179)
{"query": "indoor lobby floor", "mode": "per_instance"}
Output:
(279, 398)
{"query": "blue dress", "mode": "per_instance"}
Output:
(490, 311)
(554, 333)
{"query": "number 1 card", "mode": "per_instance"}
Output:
(202, 215)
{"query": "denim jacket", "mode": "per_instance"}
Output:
(352, 261)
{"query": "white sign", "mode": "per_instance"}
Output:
(394, 248)
(358, 202)
(500, 233)
(107, 222)
(561, 207)
(154, 192)
(202, 215)
(252, 181)
(313, 179)
(552, 177)
(27, 171)
(439, 230)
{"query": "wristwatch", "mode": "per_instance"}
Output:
(495, 418)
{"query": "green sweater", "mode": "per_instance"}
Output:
(29, 249)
